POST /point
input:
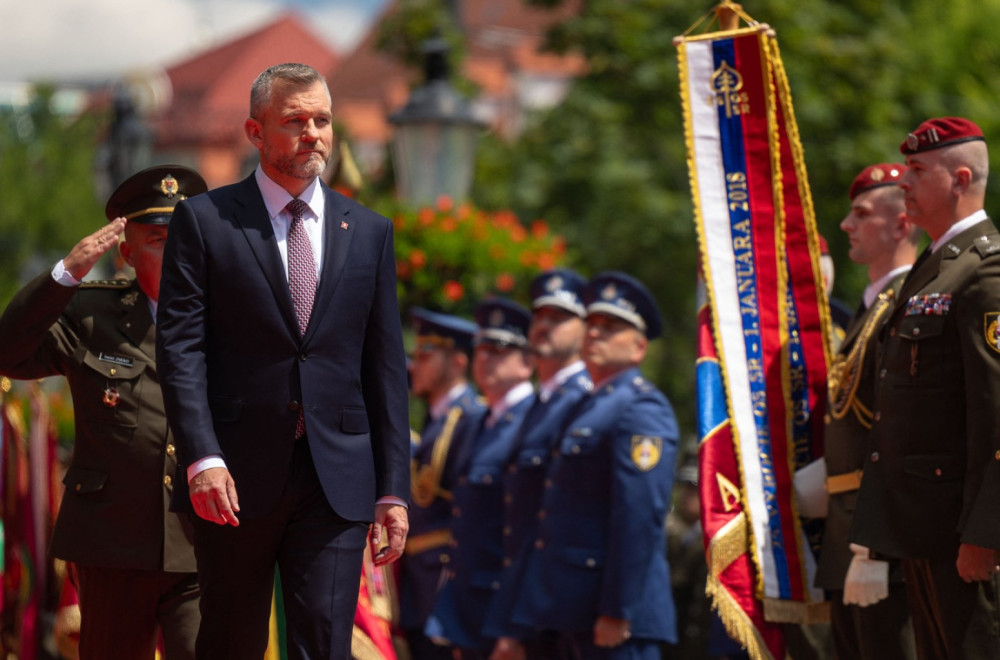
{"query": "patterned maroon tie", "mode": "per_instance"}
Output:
(301, 265)
(301, 278)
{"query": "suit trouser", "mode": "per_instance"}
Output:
(319, 556)
(122, 612)
(952, 619)
(882, 631)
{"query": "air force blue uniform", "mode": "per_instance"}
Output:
(601, 546)
(477, 516)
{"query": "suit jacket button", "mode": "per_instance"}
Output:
(937, 472)
(171, 450)
(78, 487)
(167, 480)
(540, 544)
(874, 457)
(293, 406)
(303, 356)
(591, 562)
(997, 455)
(536, 460)
(507, 562)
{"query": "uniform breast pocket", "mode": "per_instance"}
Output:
(113, 386)
(927, 351)
(581, 443)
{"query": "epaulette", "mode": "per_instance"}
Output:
(106, 284)
(987, 245)
(641, 384)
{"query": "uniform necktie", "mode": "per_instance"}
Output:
(301, 265)
(301, 278)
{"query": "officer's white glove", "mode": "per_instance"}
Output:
(867, 579)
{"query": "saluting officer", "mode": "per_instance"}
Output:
(930, 492)
(501, 369)
(869, 615)
(598, 572)
(555, 337)
(438, 375)
(134, 559)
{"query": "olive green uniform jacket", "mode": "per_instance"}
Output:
(848, 419)
(931, 479)
(101, 337)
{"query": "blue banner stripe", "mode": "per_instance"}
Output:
(735, 165)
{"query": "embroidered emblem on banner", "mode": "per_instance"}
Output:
(933, 304)
(726, 85)
(646, 451)
(991, 326)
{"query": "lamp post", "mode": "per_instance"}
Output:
(434, 145)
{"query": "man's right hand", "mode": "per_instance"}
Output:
(86, 253)
(213, 494)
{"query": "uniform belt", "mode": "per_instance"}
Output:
(843, 483)
(424, 542)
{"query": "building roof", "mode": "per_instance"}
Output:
(211, 91)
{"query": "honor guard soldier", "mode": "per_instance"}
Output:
(438, 375)
(930, 492)
(598, 573)
(501, 369)
(869, 614)
(555, 337)
(134, 559)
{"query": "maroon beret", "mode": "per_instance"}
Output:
(940, 132)
(876, 176)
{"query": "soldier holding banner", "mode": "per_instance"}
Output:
(869, 615)
(930, 492)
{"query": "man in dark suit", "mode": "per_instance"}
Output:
(930, 492)
(438, 373)
(134, 560)
(869, 616)
(285, 382)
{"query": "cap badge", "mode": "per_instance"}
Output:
(554, 284)
(912, 141)
(169, 186)
(496, 318)
(878, 175)
(610, 292)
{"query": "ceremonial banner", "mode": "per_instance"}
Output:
(763, 346)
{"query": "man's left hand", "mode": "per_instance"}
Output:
(975, 563)
(391, 523)
(609, 632)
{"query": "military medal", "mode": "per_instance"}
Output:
(111, 397)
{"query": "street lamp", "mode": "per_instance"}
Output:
(434, 146)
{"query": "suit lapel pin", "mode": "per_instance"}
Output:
(343, 224)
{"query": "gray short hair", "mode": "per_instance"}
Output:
(298, 75)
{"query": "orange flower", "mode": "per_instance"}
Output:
(445, 203)
(539, 229)
(517, 233)
(426, 217)
(547, 260)
(559, 245)
(402, 269)
(448, 224)
(464, 211)
(528, 259)
(418, 259)
(505, 282)
(399, 221)
(453, 290)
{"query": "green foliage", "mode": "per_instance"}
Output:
(449, 258)
(46, 174)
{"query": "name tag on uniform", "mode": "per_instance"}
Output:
(933, 304)
(116, 359)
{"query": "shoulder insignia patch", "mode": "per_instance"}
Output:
(106, 284)
(646, 451)
(991, 329)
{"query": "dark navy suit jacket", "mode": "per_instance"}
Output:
(236, 371)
